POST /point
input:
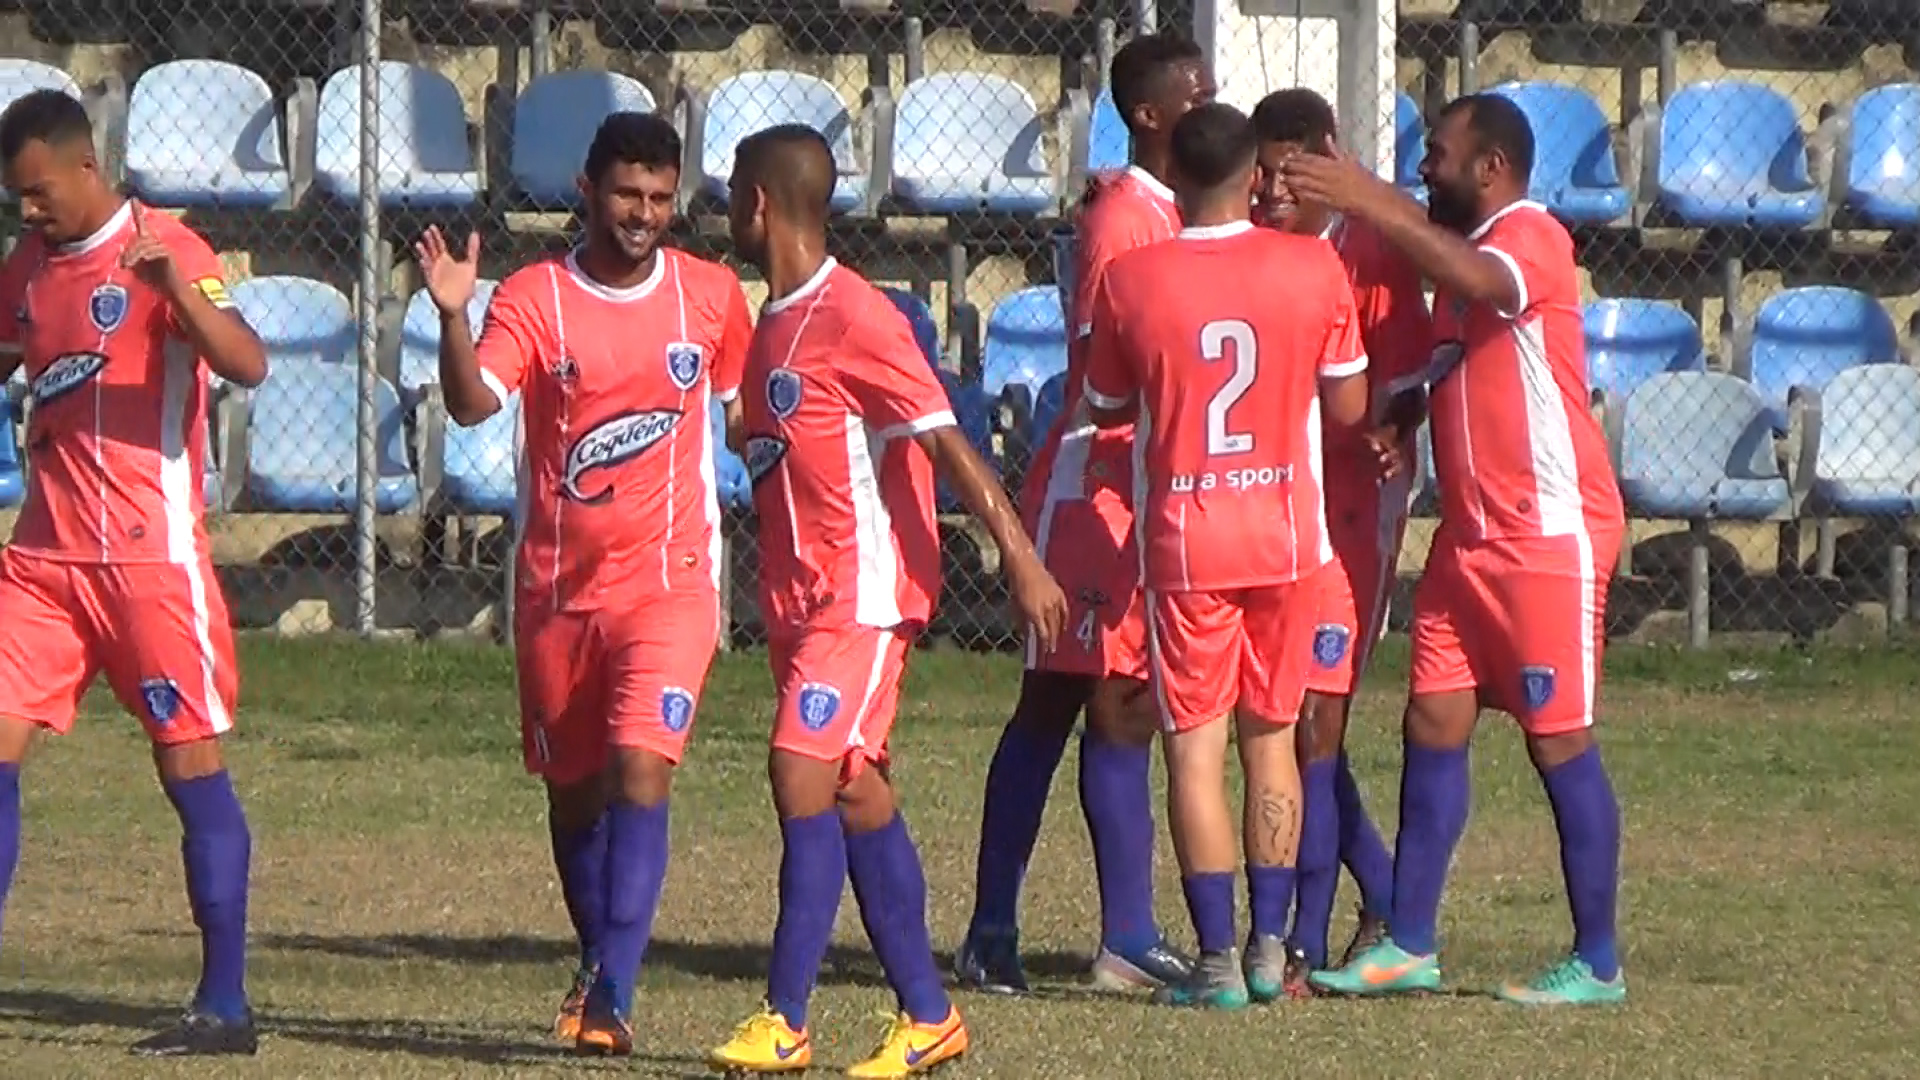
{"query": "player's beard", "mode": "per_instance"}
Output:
(1450, 208)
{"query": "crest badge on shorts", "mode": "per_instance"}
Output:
(162, 699)
(684, 361)
(676, 709)
(818, 705)
(1537, 685)
(783, 392)
(107, 307)
(1329, 644)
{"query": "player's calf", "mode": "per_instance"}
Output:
(216, 848)
(637, 821)
(577, 828)
(1271, 839)
(1202, 828)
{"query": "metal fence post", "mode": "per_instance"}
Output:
(366, 546)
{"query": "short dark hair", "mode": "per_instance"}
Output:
(53, 117)
(1295, 115)
(632, 138)
(794, 164)
(1212, 144)
(1498, 124)
(1140, 65)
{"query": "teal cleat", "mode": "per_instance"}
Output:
(1384, 968)
(1216, 983)
(1570, 982)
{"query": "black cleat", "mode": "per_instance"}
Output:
(1370, 931)
(201, 1034)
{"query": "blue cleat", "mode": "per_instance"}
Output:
(1158, 965)
(989, 961)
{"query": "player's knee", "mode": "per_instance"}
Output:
(642, 777)
(16, 738)
(1122, 711)
(188, 761)
(1552, 751)
(802, 786)
(1441, 721)
(578, 804)
(866, 801)
(1323, 727)
(1051, 701)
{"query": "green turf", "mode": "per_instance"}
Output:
(406, 923)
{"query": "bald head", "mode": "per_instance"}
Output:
(793, 164)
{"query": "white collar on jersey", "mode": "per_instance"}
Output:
(1520, 204)
(1333, 227)
(620, 296)
(807, 288)
(1150, 182)
(101, 235)
(1216, 232)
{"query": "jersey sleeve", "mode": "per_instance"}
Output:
(893, 387)
(196, 261)
(1522, 241)
(730, 362)
(1344, 353)
(1110, 383)
(1395, 326)
(509, 338)
(1107, 232)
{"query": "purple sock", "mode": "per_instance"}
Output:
(9, 828)
(1018, 782)
(891, 890)
(216, 848)
(580, 855)
(636, 869)
(1210, 905)
(1269, 895)
(813, 874)
(1116, 796)
(1588, 817)
(1319, 860)
(1434, 798)
(1362, 850)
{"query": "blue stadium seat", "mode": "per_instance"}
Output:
(1574, 173)
(1026, 340)
(1696, 445)
(1631, 340)
(1867, 461)
(13, 478)
(1883, 166)
(973, 409)
(553, 124)
(1806, 336)
(1732, 154)
(969, 141)
(301, 443)
(1426, 485)
(420, 335)
(730, 473)
(1047, 406)
(18, 78)
(212, 484)
(297, 318)
(425, 158)
(754, 100)
(479, 465)
(1409, 144)
(926, 333)
(1109, 146)
(205, 133)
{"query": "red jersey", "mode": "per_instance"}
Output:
(1228, 490)
(1079, 461)
(116, 444)
(617, 492)
(1516, 450)
(836, 390)
(1396, 331)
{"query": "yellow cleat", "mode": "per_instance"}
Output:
(911, 1049)
(566, 1026)
(764, 1044)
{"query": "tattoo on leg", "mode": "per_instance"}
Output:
(1279, 817)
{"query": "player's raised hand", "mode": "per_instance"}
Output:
(147, 255)
(450, 278)
(1039, 599)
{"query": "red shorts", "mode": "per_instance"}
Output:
(1522, 621)
(158, 631)
(838, 691)
(1250, 648)
(626, 677)
(1087, 545)
(1366, 532)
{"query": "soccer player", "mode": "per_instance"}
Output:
(1078, 505)
(118, 313)
(1509, 614)
(845, 424)
(1228, 380)
(616, 349)
(1368, 490)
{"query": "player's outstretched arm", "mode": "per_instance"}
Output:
(1034, 590)
(197, 303)
(451, 281)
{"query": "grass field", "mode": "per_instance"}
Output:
(406, 922)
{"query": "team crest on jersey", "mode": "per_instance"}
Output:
(818, 705)
(783, 392)
(1537, 685)
(107, 307)
(676, 709)
(65, 375)
(1330, 644)
(618, 440)
(763, 453)
(684, 363)
(162, 699)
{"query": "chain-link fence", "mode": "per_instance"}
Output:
(1742, 180)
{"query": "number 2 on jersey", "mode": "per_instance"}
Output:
(1215, 337)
